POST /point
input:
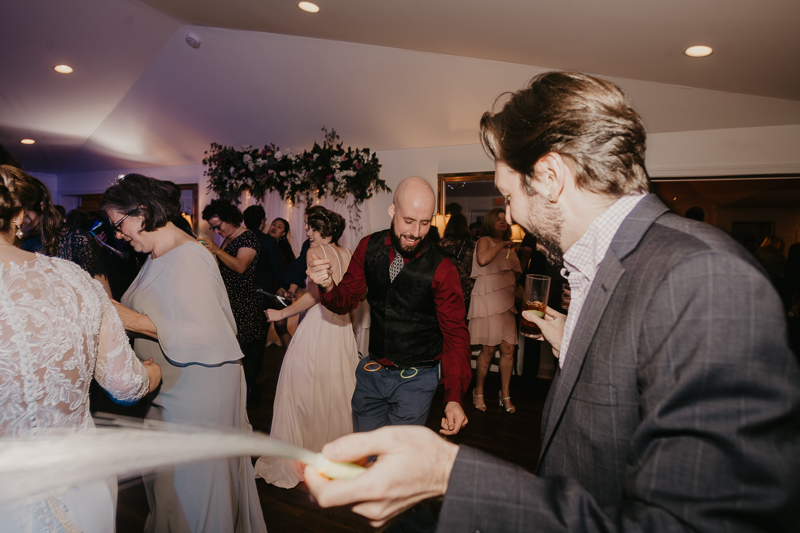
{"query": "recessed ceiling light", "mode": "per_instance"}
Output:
(698, 51)
(63, 69)
(309, 7)
(27, 141)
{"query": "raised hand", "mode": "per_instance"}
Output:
(320, 272)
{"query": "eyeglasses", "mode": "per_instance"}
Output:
(216, 228)
(118, 225)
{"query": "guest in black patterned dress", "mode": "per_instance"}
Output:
(45, 233)
(238, 260)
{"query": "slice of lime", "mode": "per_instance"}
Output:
(538, 313)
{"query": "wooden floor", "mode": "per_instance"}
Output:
(515, 437)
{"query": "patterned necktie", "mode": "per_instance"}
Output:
(396, 265)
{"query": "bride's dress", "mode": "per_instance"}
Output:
(58, 329)
(316, 383)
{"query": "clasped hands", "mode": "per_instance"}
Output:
(320, 272)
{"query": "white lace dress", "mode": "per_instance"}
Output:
(58, 329)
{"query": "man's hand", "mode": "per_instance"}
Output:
(413, 464)
(319, 271)
(552, 326)
(454, 419)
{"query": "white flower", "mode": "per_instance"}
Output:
(247, 158)
(260, 162)
(232, 170)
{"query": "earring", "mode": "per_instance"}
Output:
(19, 232)
(550, 198)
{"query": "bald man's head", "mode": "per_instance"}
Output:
(412, 210)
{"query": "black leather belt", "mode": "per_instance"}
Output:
(421, 364)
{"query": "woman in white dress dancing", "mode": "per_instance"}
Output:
(312, 401)
(58, 329)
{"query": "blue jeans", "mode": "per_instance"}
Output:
(387, 397)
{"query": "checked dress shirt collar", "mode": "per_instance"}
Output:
(583, 258)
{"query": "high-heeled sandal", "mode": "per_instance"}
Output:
(510, 410)
(479, 407)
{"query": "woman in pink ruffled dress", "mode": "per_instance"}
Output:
(492, 323)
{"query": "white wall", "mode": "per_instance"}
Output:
(739, 151)
(742, 151)
(97, 182)
(50, 181)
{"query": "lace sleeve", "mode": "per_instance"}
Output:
(118, 370)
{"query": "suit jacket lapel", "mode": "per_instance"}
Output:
(596, 301)
(608, 275)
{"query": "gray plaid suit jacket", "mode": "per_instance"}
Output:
(678, 406)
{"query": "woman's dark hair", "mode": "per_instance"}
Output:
(452, 208)
(314, 209)
(7, 159)
(156, 201)
(489, 220)
(287, 254)
(328, 224)
(457, 227)
(77, 217)
(253, 217)
(23, 191)
(224, 210)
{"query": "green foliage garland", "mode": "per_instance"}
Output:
(324, 170)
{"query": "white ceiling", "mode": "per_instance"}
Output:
(386, 74)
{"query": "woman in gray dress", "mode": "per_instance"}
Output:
(179, 311)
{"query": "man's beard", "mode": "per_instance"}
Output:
(404, 250)
(550, 247)
(544, 221)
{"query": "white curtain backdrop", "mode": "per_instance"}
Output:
(276, 207)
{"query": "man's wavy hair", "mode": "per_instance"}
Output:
(588, 121)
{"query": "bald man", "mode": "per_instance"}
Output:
(417, 312)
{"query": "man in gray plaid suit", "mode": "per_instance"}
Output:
(676, 405)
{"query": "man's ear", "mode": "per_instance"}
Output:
(391, 211)
(552, 172)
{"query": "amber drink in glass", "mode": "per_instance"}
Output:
(537, 288)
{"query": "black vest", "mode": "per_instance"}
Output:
(404, 327)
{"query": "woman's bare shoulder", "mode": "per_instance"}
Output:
(319, 251)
